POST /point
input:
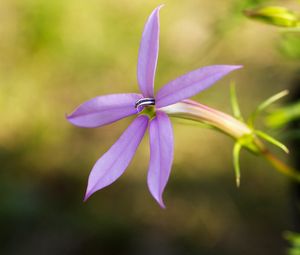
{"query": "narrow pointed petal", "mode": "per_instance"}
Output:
(104, 110)
(161, 155)
(148, 54)
(191, 84)
(114, 162)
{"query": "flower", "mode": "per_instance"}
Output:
(104, 110)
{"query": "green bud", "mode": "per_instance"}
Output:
(274, 15)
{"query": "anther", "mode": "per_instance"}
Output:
(144, 102)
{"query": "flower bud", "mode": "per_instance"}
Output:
(274, 15)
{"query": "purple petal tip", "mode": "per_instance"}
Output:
(162, 204)
(87, 196)
(68, 117)
(239, 66)
(160, 6)
(159, 200)
(236, 67)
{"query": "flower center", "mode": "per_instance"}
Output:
(146, 106)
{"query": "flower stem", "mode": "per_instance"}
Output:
(281, 166)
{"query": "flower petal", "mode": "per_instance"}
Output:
(114, 162)
(148, 54)
(161, 155)
(104, 110)
(191, 83)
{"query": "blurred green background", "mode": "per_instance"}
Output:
(56, 54)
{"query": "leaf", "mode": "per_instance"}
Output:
(234, 102)
(271, 140)
(265, 104)
(283, 115)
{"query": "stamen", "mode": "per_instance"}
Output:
(144, 102)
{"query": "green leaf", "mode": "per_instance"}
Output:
(289, 45)
(265, 104)
(234, 102)
(283, 115)
(236, 154)
(294, 240)
(271, 140)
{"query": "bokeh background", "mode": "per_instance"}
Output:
(56, 54)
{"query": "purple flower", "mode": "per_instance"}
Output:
(104, 110)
